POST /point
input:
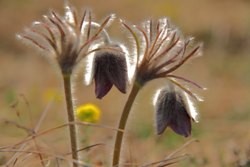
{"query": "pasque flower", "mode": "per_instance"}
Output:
(110, 68)
(159, 50)
(175, 110)
(162, 49)
(66, 41)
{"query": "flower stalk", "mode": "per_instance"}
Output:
(71, 117)
(122, 123)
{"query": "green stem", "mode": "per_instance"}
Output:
(71, 117)
(122, 124)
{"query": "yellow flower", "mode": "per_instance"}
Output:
(52, 94)
(88, 113)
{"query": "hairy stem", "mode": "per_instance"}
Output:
(71, 117)
(122, 124)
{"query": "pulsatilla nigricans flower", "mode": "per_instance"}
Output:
(161, 49)
(110, 68)
(66, 40)
(175, 110)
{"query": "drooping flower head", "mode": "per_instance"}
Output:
(67, 39)
(107, 66)
(110, 68)
(174, 109)
(160, 50)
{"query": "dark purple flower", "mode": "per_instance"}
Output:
(160, 49)
(172, 111)
(110, 68)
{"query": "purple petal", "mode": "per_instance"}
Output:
(164, 111)
(171, 111)
(181, 122)
(117, 71)
(102, 83)
(110, 69)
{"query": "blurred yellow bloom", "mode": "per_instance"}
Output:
(52, 94)
(88, 113)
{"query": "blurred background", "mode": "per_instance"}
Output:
(28, 84)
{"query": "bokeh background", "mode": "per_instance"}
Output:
(28, 83)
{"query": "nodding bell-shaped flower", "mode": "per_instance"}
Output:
(110, 68)
(160, 49)
(66, 40)
(175, 110)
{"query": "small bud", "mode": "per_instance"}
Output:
(171, 110)
(110, 68)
